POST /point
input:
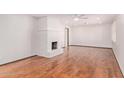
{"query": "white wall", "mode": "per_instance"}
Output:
(118, 46)
(41, 35)
(91, 35)
(16, 37)
(114, 31)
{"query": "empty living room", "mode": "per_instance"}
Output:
(61, 45)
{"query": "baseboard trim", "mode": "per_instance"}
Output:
(117, 63)
(91, 46)
(18, 60)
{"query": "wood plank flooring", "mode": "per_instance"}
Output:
(75, 62)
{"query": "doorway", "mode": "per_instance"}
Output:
(66, 37)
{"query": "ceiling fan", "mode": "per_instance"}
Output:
(79, 17)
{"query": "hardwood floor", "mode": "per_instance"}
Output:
(75, 62)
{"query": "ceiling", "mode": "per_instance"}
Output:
(82, 19)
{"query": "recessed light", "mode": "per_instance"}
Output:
(76, 19)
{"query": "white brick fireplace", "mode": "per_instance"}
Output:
(50, 32)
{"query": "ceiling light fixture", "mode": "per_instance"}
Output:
(76, 19)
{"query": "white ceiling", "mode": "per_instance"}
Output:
(82, 19)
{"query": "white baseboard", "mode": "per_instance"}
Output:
(9, 60)
(91, 46)
(120, 65)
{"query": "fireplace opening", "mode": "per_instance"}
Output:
(54, 45)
